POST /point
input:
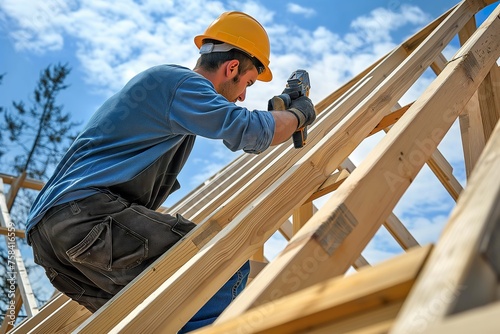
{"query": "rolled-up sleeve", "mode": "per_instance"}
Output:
(197, 109)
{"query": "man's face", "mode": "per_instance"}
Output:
(235, 89)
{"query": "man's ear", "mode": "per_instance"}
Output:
(232, 68)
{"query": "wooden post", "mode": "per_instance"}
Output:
(301, 215)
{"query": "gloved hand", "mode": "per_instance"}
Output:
(303, 109)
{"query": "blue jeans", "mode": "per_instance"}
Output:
(218, 303)
(92, 248)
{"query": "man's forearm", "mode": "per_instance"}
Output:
(286, 125)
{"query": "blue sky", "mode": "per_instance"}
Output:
(107, 42)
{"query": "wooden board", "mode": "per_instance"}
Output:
(333, 300)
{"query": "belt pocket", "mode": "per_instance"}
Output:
(110, 246)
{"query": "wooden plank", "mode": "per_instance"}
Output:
(17, 233)
(481, 320)
(377, 321)
(444, 172)
(393, 225)
(489, 101)
(399, 232)
(472, 133)
(471, 124)
(301, 215)
(437, 162)
(439, 63)
(331, 184)
(12, 311)
(69, 316)
(343, 227)
(47, 311)
(168, 310)
(286, 230)
(16, 260)
(390, 119)
(258, 255)
(333, 300)
(14, 189)
(470, 223)
(220, 181)
(28, 183)
(360, 262)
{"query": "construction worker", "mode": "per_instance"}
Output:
(93, 227)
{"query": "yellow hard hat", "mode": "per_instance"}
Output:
(243, 32)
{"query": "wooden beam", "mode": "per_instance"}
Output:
(341, 229)
(481, 320)
(472, 133)
(333, 300)
(471, 123)
(444, 172)
(467, 236)
(437, 163)
(69, 315)
(14, 189)
(489, 100)
(301, 215)
(58, 315)
(13, 309)
(331, 184)
(360, 262)
(199, 197)
(258, 255)
(17, 233)
(28, 183)
(372, 322)
(393, 225)
(390, 119)
(255, 268)
(399, 232)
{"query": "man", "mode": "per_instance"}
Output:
(94, 227)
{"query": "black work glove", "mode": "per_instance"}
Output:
(303, 108)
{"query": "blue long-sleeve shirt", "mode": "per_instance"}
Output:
(139, 139)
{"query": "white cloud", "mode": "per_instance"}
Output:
(298, 9)
(117, 39)
(377, 26)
